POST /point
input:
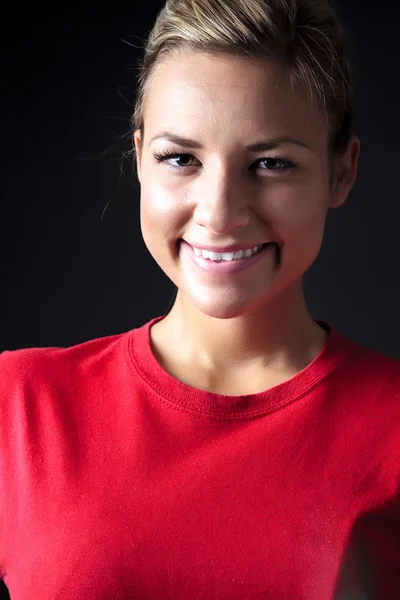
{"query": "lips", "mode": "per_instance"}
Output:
(224, 268)
(226, 249)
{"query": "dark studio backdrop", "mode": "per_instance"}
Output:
(73, 262)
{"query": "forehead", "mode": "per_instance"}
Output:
(229, 95)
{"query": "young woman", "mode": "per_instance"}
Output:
(234, 448)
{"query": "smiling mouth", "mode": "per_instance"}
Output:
(180, 240)
(227, 266)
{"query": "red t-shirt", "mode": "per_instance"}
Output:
(118, 481)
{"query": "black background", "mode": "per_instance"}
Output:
(74, 265)
(73, 262)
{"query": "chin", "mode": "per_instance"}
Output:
(222, 313)
(222, 310)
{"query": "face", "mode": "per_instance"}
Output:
(217, 192)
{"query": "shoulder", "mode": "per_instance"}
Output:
(374, 364)
(40, 366)
(372, 377)
(16, 365)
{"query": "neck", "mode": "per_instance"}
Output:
(279, 337)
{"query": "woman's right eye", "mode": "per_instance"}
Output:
(163, 156)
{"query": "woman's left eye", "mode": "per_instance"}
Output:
(273, 160)
(269, 161)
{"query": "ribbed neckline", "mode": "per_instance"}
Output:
(212, 405)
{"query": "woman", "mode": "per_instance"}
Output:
(235, 448)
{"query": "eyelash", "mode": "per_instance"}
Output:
(163, 156)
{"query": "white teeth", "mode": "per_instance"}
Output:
(219, 256)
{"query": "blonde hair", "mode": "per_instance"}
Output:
(306, 36)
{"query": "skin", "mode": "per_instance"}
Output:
(246, 332)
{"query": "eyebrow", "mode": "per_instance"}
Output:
(257, 147)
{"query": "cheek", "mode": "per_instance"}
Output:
(156, 202)
(300, 207)
(298, 217)
(160, 218)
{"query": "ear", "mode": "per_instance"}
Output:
(345, 173)
(138, 149)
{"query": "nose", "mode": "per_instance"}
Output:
(221, 201)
